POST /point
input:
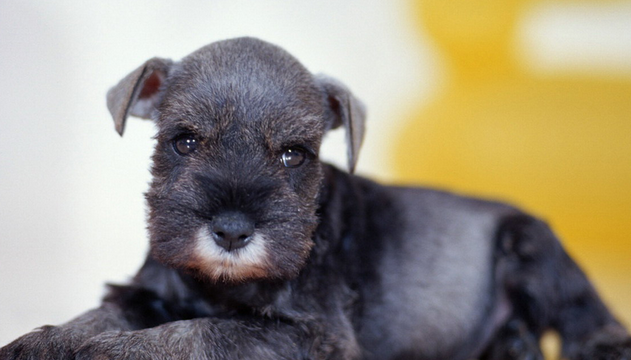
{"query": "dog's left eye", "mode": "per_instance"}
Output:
(293, 157)
(185, 144)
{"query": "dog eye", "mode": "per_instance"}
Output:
(185, 144)
(293, 157)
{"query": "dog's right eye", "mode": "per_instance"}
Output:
(185, 144)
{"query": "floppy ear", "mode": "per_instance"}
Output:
(344, 109)
(138, 94)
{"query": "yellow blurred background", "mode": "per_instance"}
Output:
(557, 143)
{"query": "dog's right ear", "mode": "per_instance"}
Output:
(139, 93)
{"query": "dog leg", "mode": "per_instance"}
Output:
(548, 290)
(60, 342)
(211, 338)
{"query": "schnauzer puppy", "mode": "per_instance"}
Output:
(260, 251)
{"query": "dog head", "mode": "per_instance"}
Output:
(236, 176)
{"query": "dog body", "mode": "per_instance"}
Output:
(260, 251)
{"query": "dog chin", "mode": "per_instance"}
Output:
(215, 263)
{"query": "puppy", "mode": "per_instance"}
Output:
(260, 251)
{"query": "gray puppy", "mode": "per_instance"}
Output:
(260, 251)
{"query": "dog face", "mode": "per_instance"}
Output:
(235, 170)
(236, 175)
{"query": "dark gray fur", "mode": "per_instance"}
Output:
(330, 265)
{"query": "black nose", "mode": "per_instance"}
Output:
(232, 230)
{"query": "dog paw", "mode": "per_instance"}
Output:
(609, 343)
(46, 343)
(606, 350)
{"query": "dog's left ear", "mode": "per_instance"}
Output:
(344, 109)
(138, 93)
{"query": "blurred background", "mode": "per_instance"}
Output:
(523, 101)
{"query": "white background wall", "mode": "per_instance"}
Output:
(72, 213)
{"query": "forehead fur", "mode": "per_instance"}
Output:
(245, 80)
